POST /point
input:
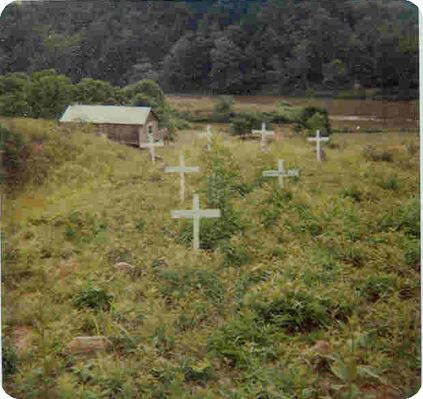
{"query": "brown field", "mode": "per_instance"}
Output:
(343, 113)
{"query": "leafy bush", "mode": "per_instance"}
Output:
(94, 298)
(221, 186)
(14, 94)
(9, 360)
(15, 153)
(212, 232)
(49, 94)
(93, 91)
(315, 118)
(244, 122)
(223, 109)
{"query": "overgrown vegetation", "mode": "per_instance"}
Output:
(306, 292)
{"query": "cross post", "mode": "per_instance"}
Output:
(280, 173)
(209, 134)
(151, 146)
(196, 214)
(182, 169)
(318, 139)
(263, 133)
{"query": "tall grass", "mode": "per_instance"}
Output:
(334, 257)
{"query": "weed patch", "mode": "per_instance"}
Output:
(299, 311)
(179, 283)
(241, 339)
(93, 298)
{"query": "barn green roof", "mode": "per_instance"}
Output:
(113, 114)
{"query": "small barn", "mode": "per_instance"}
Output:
(126, 125)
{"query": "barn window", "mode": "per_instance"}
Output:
(150, 129)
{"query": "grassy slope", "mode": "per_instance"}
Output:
(342, 252)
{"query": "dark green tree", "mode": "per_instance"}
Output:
(49, 94)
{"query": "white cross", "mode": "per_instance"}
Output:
(209, 135)
(182, 169)
(280, 173)
(151, 145)
(318, 139)
(196, 214)
(263, 133)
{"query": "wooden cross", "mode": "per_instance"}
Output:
(318, 139)
(263, 133)
(151, 146)
(209, 134)
(182, 169)
(280, 173)
(196, 214)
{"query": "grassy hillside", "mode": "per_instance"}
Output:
(309, 292)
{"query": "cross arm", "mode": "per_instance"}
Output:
(185, 214)
(293, 172)
(271, 173)
(210, 213)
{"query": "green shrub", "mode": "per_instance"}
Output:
(197, 371)
(241, 339)
(212, 232)
(352, 255)
(244, 122)
(9, 360)
(14, 157)
(406, 218)
(235, 256)
(390, 183)
(192, 317)
(377, 287)
(269, 216)
(221, 186)
(294, 311)
(223, 109)
(299, 311)
(124, 343)
(82, 227)
(94, 298)
(179, 283)
(315, 118)
(352, 192)
(411, 249)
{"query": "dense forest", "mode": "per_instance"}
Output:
(276, 46)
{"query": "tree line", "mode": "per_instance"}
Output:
(46, 93)
(220, 46)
